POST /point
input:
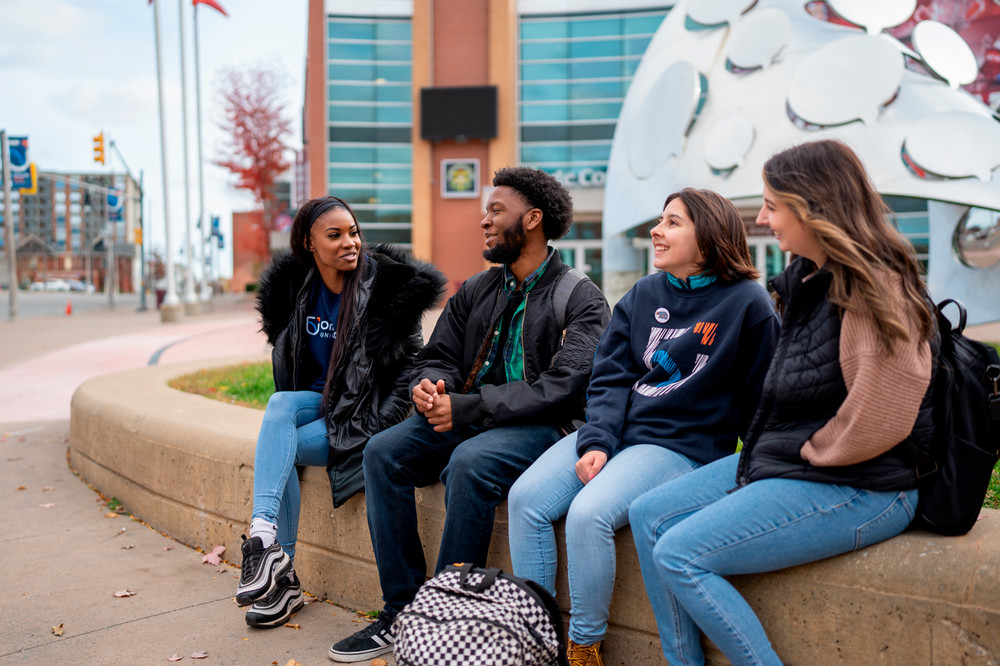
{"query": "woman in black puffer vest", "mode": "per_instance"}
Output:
(826, 466)
(344, 322)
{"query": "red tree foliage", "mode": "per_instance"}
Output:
(256, 127)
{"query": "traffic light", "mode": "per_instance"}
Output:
(99, 148)
(137, 236)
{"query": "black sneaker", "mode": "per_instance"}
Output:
(261, 569)
(370, 642)
(276, 608)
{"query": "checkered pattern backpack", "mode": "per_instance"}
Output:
(468, 616)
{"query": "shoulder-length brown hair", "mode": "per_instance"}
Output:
(828, 189)
(721, 235)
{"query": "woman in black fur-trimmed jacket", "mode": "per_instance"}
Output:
(344, 321)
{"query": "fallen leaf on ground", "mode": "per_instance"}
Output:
(47, 505)
(174, 658)
(199, 655)
(128, 547)
(223, 569)
(111, 515)
(125, 593)
(21, 488)
(58, 629)
(47, 488)
(379, 662)
(293, 626)
(291, 662)
(167, 548)
(213, 557)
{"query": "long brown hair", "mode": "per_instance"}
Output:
(720, 232)
(299, 236)
(827, 188)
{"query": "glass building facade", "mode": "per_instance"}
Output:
(574, 71)
(369, 120)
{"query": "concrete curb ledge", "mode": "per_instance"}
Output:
(184, 464)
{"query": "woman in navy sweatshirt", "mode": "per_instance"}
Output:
(675, 383)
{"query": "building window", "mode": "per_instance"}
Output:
(910, 216)
(574, 73)
(369, 116)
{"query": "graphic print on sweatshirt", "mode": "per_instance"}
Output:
(316, 326)
(321, 329)
(657, 356)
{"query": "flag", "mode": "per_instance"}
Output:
(214, 4)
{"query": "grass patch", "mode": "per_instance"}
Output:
(247, 384)
(993, 491)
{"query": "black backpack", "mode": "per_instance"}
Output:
(468, 615)
(966, 445)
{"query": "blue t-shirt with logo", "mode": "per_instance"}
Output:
(321, 328)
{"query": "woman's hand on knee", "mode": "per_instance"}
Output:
(589, 464)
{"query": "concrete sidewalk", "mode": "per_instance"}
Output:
(63, 557)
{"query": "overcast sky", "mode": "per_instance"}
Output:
(71, 68)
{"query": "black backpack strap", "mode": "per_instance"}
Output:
(962, 315)
(489, 576)
(568, 282)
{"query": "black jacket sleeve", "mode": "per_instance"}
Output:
(442, 357)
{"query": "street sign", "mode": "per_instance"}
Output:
(19, 166)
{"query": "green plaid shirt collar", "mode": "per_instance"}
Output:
(513, 352)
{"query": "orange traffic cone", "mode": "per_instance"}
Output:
(69, 306)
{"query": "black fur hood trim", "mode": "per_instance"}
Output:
(400, 289)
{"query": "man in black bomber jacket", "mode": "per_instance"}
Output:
(497, 384)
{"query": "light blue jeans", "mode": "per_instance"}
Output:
(550, 489)
(293, 433)
(691, 532)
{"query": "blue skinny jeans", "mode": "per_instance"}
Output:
(550, 489)
(293, 433)
(691, 532)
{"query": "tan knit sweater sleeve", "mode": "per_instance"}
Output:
(883, 394)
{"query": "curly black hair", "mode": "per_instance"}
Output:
(542, 191)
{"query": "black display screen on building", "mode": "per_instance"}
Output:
(468, 112)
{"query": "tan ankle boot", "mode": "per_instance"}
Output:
(584, 655)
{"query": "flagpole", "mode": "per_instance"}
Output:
(206, 291)
(170, 309)
(191, 304)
